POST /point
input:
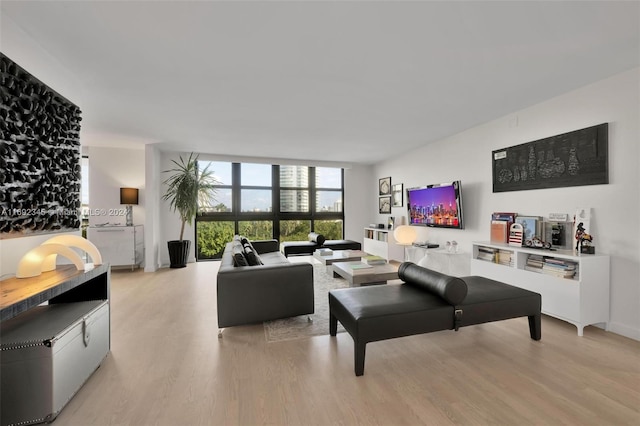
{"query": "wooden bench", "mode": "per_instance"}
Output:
(427, 301)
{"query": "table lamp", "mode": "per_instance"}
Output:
(405, 235)
(129, 196)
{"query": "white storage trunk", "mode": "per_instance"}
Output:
(47, 353)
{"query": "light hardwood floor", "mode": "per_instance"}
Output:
(167, 367)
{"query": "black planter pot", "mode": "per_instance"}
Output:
(178, 252)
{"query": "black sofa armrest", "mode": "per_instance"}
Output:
(265, 246)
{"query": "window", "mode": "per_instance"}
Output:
(224, 193)
(294, 230)
(263, 201)
(212, 237)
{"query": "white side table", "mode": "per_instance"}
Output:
(447, 262)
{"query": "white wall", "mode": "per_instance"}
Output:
(357, 198)
(467, 157)
(109, 170)
(152, 213)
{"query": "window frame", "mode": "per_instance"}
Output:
(275, 215)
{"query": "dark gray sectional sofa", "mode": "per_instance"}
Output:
(274, 288)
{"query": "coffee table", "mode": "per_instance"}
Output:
(358, 273)
(339, 256)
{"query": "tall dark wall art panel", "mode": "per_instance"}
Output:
(39, 156)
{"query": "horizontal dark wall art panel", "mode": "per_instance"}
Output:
(39, 156)
(570, 159)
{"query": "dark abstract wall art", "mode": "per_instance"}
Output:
(570, 159)
(39, 156)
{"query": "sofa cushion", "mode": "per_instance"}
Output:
(317, 238)
(274, 258)
(451, 289)
(252, 256)
(239, 258)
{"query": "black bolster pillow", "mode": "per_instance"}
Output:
(451, 289)
(319, 239)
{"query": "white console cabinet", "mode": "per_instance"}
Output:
(381, 242)
(580, 300)
(119, 245)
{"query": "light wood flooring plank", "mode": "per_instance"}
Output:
(167, 367)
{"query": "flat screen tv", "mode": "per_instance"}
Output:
(437, 206)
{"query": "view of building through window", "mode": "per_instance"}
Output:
(262, 201)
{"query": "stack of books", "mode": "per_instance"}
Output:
(374, 260)
(487, 253)
(505, 257)
(559, 267)
(534, 263)
(324, 252)
(500, 225)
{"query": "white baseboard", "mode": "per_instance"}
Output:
(624, 330)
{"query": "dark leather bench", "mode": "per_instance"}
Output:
(427, 301)
(315, 242)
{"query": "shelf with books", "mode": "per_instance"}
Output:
(561, 268)
(574, 288)
(381, 242)
(497, 255)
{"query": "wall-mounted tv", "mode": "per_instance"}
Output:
(438, 205)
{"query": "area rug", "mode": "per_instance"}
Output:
(300, 327)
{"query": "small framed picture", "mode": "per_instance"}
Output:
(385, 205)
(396, 195)
(384, 186)
(530, 226)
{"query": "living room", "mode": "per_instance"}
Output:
(464, 155)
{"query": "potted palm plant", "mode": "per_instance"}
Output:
(188, 189)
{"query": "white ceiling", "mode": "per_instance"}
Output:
(337, 81)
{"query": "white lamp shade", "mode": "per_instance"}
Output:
(71, 241)
(32, 262)
(405, 234)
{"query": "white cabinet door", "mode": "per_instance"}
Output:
(117, 244)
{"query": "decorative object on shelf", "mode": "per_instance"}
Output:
(188, 188)
(43, 258)
(451, 246)
(570, 159)
(72, 241)
(582, 223)
(129, 196)
(537, 243)
(32, 263)
(500, 226)
(391, 222)
(384, 186)
(384, 204)
(39, 156)
(516, 235)
(530, 226)
(499, 231)
(397, 195)
(558, 217)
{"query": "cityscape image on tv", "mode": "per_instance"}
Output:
(434, 206)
